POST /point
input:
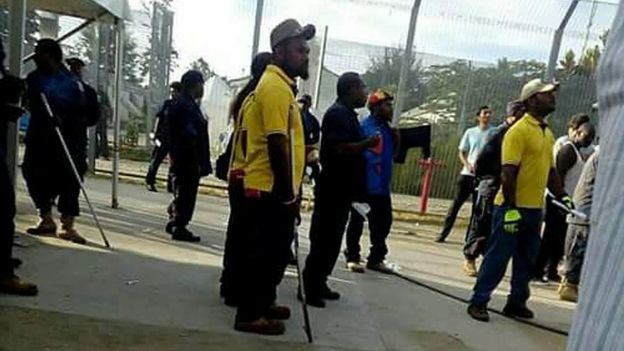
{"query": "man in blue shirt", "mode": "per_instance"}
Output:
(378, 177)
(469, 148)
(190, 154)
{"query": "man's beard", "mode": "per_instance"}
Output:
(546, 110)
(301, 72)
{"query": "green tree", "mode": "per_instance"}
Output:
(202, 66)
(384, 72)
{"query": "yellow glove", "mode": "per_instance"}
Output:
(511, 221)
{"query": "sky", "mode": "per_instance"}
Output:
(221, 31)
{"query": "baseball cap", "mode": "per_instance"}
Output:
(192, 77)
(536, 86)
(74, 61)
(378, 96)
(290, 28)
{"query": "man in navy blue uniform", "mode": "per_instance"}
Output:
(11, 90)
(340, 183)
(161, 141)
(189, 152)
(46, 167)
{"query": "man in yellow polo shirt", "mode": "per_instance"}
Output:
(527, 169)
(272, 174)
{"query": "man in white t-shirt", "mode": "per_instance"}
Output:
(469, 148)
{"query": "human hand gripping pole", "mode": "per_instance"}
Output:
(55, 123)
(297, 221)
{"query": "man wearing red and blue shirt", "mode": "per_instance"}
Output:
(378, 177)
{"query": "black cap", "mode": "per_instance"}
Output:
(192, 77)
(74, 61)
(290, 28)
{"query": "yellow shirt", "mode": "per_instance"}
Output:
(271, 109)
(529, 146)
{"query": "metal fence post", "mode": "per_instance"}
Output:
(556, 45)
(398, 108)
(258, 24)
(17, 31)
(119, 45)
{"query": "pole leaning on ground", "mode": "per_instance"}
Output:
(304, 303)
(73, 166)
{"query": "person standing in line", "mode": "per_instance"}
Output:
(573, 125)
(230, 275)
(528, 168)
(11, 91)
(578, 232)
(46, 169)
(190, 154)
(342, 181)
(274, 160)
(161, 140)
(312, 130)
(487, 172)
(470, 145)
(569, 165)
(379, 162)
(101, 128)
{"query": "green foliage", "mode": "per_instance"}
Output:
(202, 66)
(384, 72)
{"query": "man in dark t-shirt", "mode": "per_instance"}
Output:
(340, 183)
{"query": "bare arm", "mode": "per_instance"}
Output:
(280, 164)
(355, 148)
(566, 158)
(555, 185)
(463, 157)
(508, 179)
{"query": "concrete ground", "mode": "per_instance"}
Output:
(149, 293)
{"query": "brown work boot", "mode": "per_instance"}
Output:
(68, 232)
(470, 268)
(278, 312)
(568, 291)
(261, 326)
(46, 226)
(15, 286)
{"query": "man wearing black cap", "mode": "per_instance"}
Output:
(11, 90)
(76, 66)
(312, 132)
(190, 154)
(274, 154)
(161, 140)
(342, 181)
(46, 169)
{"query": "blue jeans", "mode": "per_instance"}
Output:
(523, 246)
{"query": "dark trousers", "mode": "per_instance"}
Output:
(49, 177)
(7, 227)
(158, 155)
(101, 138)
(576, 245)
(185, 186)
(237, 226)
(329, 219)
(379, 224)
(553, 241)
(523, 246)
(480, 226)
(465, 188)
(264, 254)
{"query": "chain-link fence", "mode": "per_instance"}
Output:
(466, 54)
